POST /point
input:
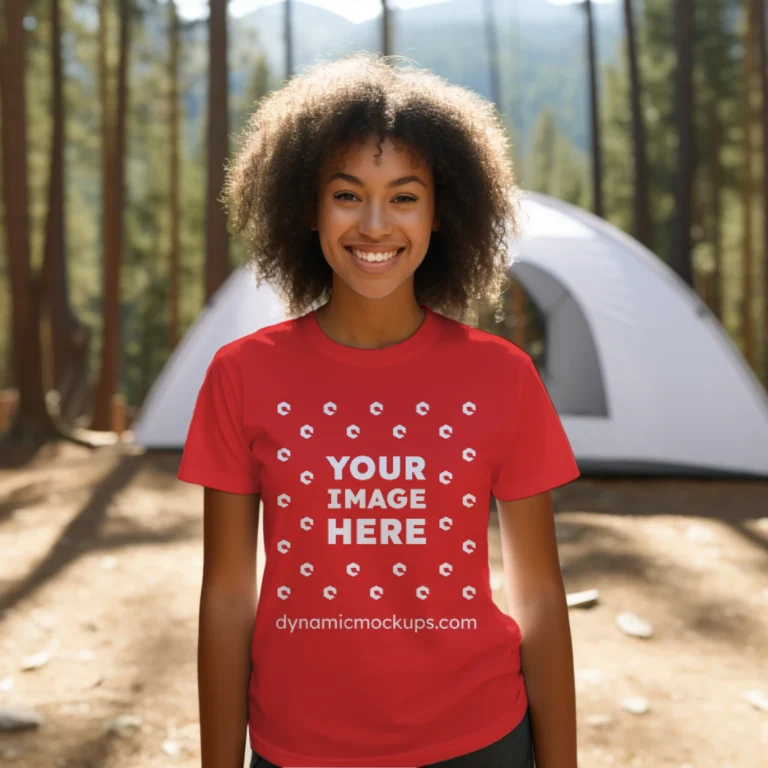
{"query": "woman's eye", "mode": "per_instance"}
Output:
(346, 195)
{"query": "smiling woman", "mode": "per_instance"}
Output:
(377, 200)
(375, 219)
(362, 154)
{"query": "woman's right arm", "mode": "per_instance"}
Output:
(227, 614)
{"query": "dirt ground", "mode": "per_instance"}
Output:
(100, 567)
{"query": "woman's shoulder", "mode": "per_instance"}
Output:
(265, 344)
(483, 346)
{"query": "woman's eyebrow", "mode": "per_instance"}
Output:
(396, 183)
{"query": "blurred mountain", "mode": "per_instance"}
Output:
(542, 50)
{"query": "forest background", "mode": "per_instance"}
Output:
(125, 145)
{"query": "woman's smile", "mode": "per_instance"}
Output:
(374, 262)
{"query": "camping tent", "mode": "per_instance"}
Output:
(645, 379)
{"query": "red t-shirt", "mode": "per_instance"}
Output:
(377, 641)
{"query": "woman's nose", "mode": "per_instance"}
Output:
(375, 220)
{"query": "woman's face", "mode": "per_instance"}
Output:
(375, 221)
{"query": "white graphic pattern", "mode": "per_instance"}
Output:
(353, 432)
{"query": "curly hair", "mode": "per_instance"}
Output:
(272, 182)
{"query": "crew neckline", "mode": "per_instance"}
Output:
(417, 342)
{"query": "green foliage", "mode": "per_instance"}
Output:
(557, 167)
(718, 98)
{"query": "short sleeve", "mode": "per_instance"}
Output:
(534, 454)
(216, 452)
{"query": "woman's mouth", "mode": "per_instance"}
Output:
(374, 263)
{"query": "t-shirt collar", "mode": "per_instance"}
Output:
(416, 343)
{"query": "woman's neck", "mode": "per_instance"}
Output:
(357, 321)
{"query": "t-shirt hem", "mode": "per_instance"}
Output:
(432, 754)
(228, 483)
(543, 482)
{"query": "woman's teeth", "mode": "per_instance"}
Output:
(366, 256)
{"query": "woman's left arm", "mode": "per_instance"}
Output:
(537, 602)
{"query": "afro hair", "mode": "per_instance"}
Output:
(272, 181)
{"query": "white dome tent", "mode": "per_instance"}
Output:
(645, 379)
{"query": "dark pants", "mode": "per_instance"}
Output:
(515, 750)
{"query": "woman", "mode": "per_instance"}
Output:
(374, 425)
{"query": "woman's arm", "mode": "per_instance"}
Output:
(227, 614)
(536, 598)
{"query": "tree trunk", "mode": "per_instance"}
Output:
(32, 424)
(762, 30)
(643, 226)
(493, 54)
(747, 319)
(69, 337)
(174, 203)
(101, 417)
(54, 269)
(386, 28)
(597, 158)
(217, 245)
(517, 310)
(680, 257)
(113, 239)
(714, 143)
(288, 35)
